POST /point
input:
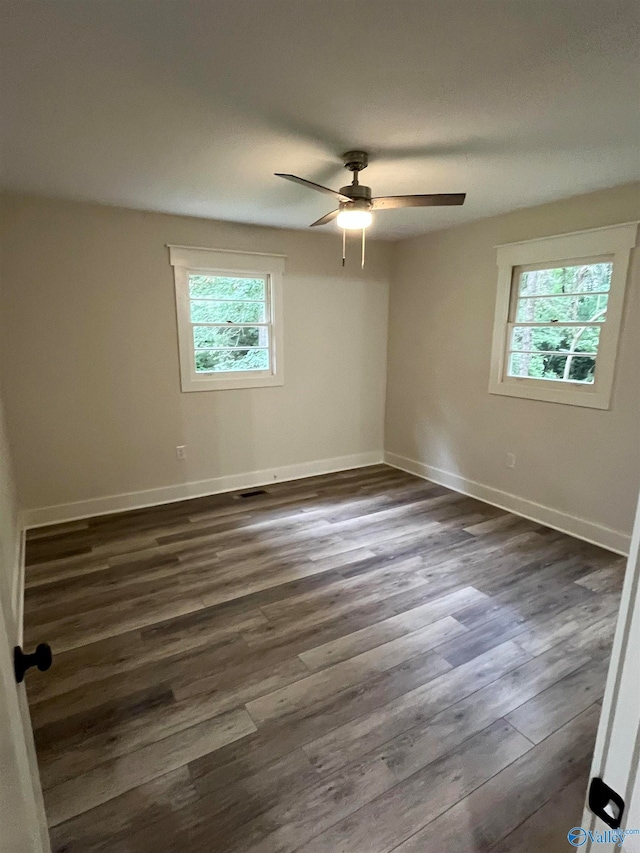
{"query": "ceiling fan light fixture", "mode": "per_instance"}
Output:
(353, 219)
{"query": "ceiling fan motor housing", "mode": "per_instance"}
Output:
(357, 192)
(355, 161)
(362, 203)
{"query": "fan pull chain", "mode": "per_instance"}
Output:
(344, 247)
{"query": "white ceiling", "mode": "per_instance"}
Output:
(189, 106)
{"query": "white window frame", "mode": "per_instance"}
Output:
(609, 244)
(186, 261)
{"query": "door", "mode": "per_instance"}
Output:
(22, 819)
(616, 757)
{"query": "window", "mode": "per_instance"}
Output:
(557, 310)
(229, 318)
(558, 316)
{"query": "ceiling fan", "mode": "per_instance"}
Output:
(356, 204)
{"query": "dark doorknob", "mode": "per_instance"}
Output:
(42, 658)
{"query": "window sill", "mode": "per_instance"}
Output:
(573, 396)
(230, 383)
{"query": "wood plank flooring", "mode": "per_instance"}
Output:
(361, 662)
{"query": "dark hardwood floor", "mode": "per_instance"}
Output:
(355, 663)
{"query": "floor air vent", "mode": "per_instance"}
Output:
(253, 493)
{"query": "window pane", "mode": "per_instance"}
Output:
(559, 308)
(220, 287)
(571, 279)
(556, 338)
(553, 367)
(227, 312)
(532, 366)
(244, 336)
(220, 361)
(582, 369)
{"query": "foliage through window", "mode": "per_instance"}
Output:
(556, 318)
(230, 319)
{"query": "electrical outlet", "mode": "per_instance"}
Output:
(181, 452)
(511, 460)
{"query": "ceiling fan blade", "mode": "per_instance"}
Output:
(432, 200)
(313, 186)
(324, 219)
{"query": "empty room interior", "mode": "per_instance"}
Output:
(319, 351)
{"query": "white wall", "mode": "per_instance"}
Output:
(571, 462)
(90, 367)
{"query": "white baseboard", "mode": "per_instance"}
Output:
(590, 531)
(42, 516)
